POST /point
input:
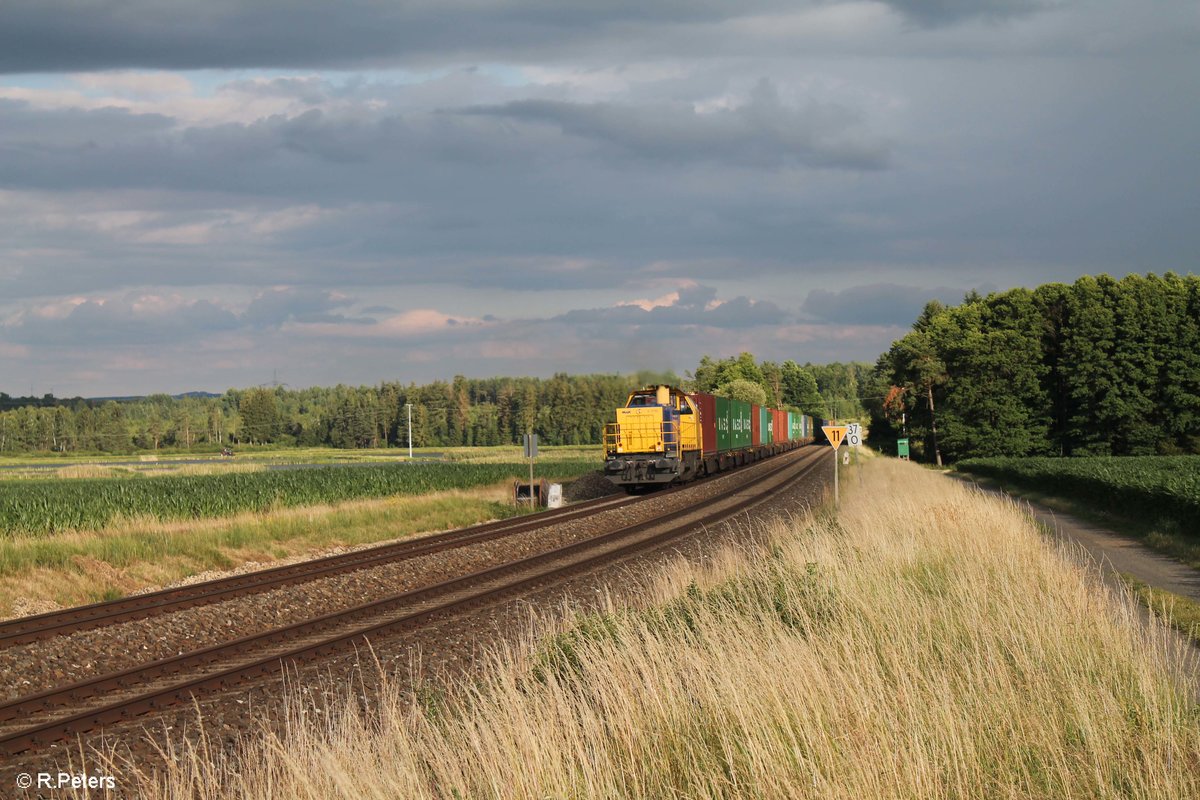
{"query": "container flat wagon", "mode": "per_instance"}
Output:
(665, 435)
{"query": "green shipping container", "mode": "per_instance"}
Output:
(723, 437)
(797, 423)
(733, 424)
(739, 424)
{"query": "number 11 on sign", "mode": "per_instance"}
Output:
(835, 434)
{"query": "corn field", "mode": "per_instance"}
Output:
(1155, 488)
(34, 507)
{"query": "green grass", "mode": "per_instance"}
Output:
(1162, 489)
(1180, 612)
(38, 507)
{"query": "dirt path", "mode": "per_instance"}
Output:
(1113, 551)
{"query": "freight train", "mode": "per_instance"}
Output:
(666, 435)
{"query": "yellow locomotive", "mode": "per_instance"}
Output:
(664, 435)
(656, 438)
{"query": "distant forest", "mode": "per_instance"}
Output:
(564, 409)
(1097, 367)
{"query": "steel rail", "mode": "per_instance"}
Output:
(24, 630)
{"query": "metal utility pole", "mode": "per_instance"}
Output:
(933, 428)
(408, 407)
(837, 500)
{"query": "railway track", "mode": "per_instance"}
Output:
(24, 630)
(60, 623)
(28, 723)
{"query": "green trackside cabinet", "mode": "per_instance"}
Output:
(902, 448)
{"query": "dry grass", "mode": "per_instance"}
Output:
(216, 468)
(132, 469)
(87, 471)
(930, 644)
(40, 573)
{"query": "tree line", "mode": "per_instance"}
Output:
(820, 390)
(1098, 367)
(462, 412)
(563, 409)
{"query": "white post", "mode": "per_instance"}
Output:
(837, 503)
(408, 407)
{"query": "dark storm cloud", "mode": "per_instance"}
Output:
(68, 35)
(131, 320)
(276, 306)
(480, 196)
(877, 304)
(61, 35)
(761, 133)
(696, 305)
(149, 319)
(935, 13)
(73, 127)
(311, 154)
(362, 155)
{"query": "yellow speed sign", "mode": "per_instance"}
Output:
(835, 434)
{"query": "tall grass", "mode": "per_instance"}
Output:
(1163, 488)
(928, 644)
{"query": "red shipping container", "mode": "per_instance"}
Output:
(755, 426)
(781, 429)
(707, 405)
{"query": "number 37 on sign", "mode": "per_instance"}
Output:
(854, 434)
(850, 433)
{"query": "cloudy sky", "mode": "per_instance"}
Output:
(198, 194)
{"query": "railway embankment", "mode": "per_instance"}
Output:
(927, 641)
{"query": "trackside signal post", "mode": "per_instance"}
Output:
(531, 454)
(835, 434)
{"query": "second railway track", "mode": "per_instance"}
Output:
(59, 623)
(33, 721)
